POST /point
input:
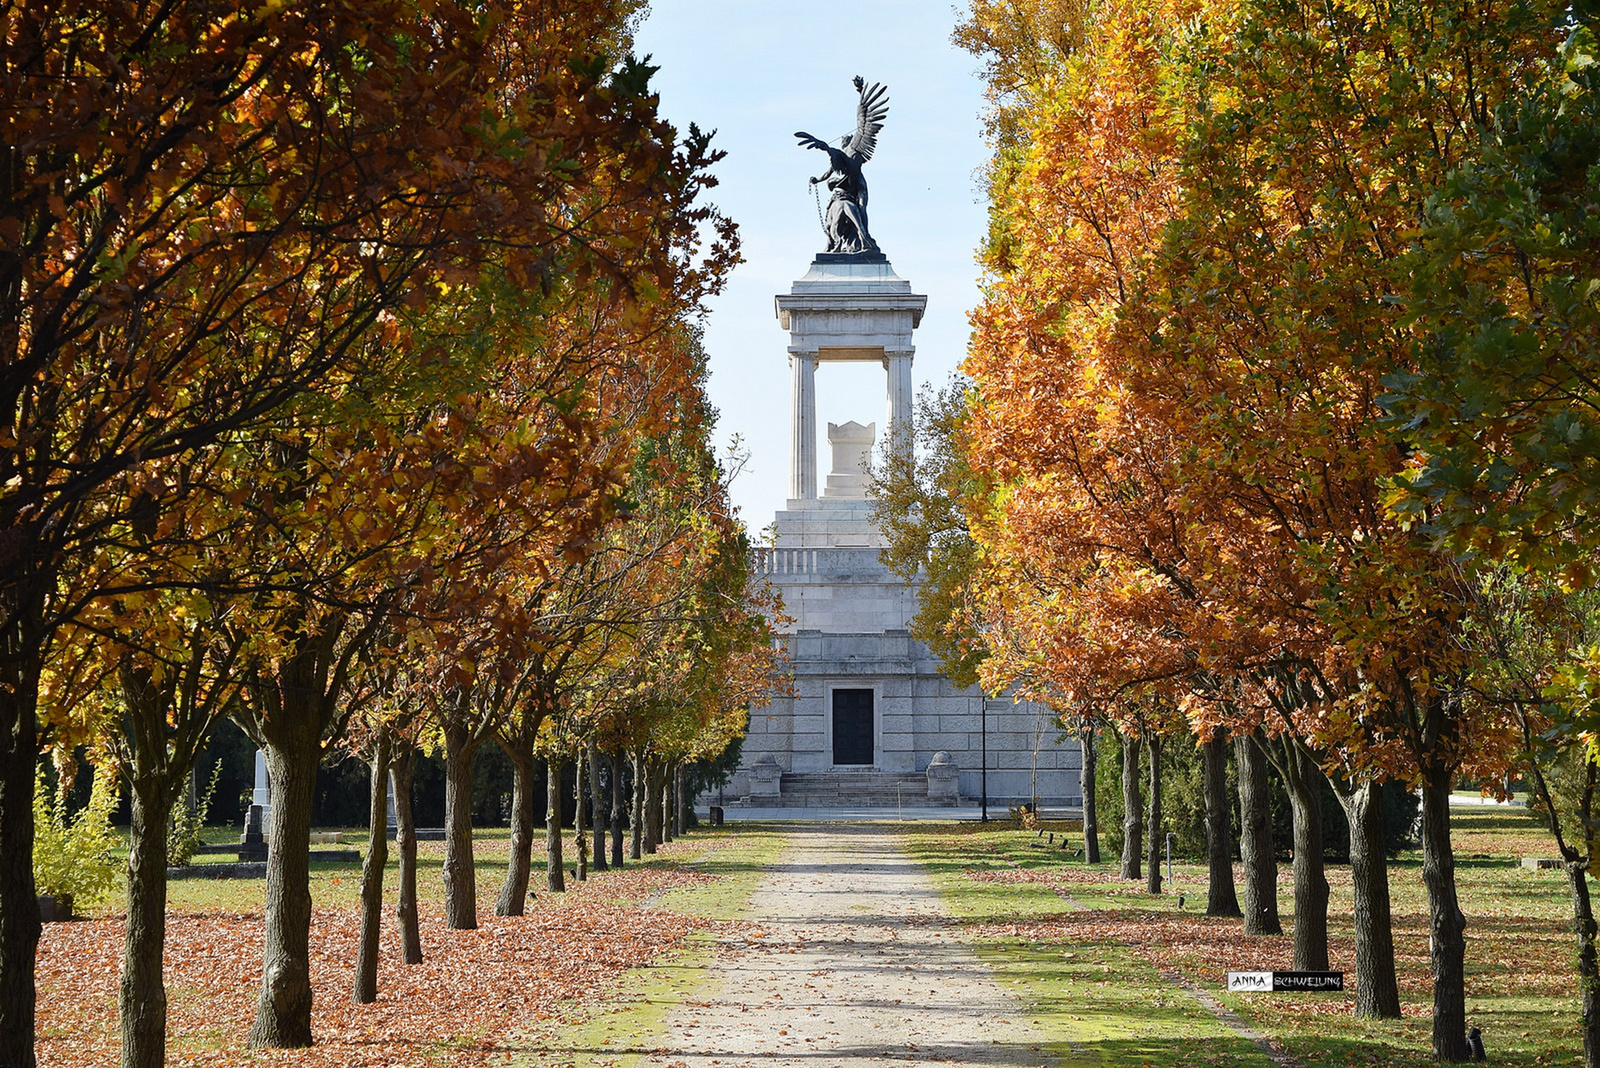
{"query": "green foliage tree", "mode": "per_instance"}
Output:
(1500, 411)
(919, 503)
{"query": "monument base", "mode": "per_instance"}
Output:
(850, 257)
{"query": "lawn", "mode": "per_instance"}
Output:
(588, 975)
(1029, 903)
(473, 994)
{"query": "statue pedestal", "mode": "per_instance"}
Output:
(851, 257)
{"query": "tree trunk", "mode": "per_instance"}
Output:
(1255, 840)
(1132, 808)
(652, 806)
(142, 997)
(1221, 897)
(1377, 988)
(1447, 922)
(1310, 879)
(680, 793)
(1588, 969)
(1091, 819)
(1153, 876)
(555, 878)
(674, 809)
(636, 837)
(580, 832)
(514, 890)
(460, 873)
(618, 808)
(666, 790)
(283, 1013)
(155, 755)
(19, 903)
(663, 790)
(366, 977)
(597, 801)
(405, 841)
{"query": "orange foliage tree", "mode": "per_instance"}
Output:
(1178, 373)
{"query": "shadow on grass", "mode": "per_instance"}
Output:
(1115, 1053)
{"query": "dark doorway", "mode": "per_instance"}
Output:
(852, 726)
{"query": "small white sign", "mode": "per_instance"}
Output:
(1249, 982)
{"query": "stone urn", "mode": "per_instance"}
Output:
(944, 779)
(765, 777)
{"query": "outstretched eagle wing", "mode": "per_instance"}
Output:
(871, 110)
(807, 141)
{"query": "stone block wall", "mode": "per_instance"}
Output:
(919, 713)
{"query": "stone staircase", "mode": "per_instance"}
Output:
(835, 789)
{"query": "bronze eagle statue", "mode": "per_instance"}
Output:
(845, 222)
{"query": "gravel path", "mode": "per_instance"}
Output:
(853, 964)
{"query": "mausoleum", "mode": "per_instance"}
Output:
(872, 720)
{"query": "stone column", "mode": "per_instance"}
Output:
(899, 367)
(803, 473)
(262, 794)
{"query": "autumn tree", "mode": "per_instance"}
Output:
(1535, 655)
(207, 208)
(163, 199)
(1279, 408)
(1190, 485)
(1497, 417)
(381, 725)
(170, 674)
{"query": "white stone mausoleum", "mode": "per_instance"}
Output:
(872, 719)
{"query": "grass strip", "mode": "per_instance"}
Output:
(1097, 1002)
(614, 1030)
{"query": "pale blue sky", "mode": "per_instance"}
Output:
(757, 71)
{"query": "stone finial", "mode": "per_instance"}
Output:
(852, 447)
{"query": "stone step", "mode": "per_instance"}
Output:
(855, 787)
(854, 776)
(831, 788)
(889, 803)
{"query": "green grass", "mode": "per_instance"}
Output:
(609, 1032)
(1519, 952)
(742, 855)
(1097, 1001)
(1099, 998)
(337, 884)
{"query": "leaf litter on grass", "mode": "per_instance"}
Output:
(472, 989)
(1519, 942)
